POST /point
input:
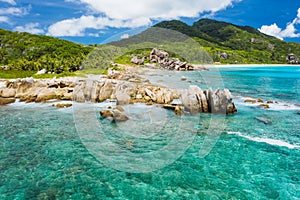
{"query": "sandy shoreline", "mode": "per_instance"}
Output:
(250, 65)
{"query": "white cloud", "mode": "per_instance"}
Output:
(93, 34)
(4, 19)
(289, 32)
(14, 11)
(132, 13)
(155, 9)
(30, 28)
(77, 26)
(12, 2)
(124, 36)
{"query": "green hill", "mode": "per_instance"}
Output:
(222, 42)
(242, 44)
(24, 51)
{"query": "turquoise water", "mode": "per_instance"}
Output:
(42, 156)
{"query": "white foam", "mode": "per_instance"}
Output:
(273, 106)
(267, 141)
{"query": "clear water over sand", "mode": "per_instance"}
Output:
(43, 157)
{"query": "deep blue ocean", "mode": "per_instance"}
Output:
(71, 153)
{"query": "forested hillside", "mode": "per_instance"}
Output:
(229, 43)
(24, 51)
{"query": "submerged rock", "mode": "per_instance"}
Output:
(263, 120)
(106, 113)
(260, 100)
(119, 116)
(266, 106)
(116, 114)
(63, 105)
(250, 101)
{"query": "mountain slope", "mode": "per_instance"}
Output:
(243, 44)
(24, 51)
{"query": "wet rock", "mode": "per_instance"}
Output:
(250, 101)
(63, 105)
(5, 101)
(106, 113)
(178, 110)
(266, 106)
(169, 106)
(260, 100)
(264, 120)
(119, 116)
(183, 78)
(119, 108)
(231, 109)
(270, 101)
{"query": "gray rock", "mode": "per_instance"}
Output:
(119, 116)
(106, 91)
(137, 61)
(264, 120)
(43, 71)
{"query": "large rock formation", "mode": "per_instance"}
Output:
(31, 90)
(194, 100)
(162, 57)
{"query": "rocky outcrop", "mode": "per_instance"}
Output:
(193, 100)
(292, 59)
(31, 90)
(162, 57)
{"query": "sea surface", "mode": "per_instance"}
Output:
(71, 153)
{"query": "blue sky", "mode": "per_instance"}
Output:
(97, 21)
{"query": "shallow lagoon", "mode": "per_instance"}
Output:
(42, 155)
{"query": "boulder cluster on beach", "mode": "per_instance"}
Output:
(163, 59)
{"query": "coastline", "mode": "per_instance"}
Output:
(249, 65)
